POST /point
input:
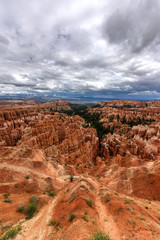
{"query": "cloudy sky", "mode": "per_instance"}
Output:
(98, 48)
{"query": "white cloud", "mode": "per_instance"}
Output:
(89, 47)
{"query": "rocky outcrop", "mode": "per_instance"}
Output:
(144, 143)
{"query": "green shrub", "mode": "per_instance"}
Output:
(100, 236)
(11, 233)
(51, 223)
(27, 177)
(8, 200)
(57, 226)
(120, 208)
(73, 198)
(71, 217)
(33, 199)
(84, 218)
(141, 218)
(31, 210)
(71, 178)
(51, 194)
(6, 195)
(107, 198)
(89, 202)
(20, 208)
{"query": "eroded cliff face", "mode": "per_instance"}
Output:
(110, 186)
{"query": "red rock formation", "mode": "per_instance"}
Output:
(112, 187)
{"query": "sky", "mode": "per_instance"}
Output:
(95, 48)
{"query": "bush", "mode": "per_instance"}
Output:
(6, 195)
(73, 198)
(100, 236)
(84, 218)
(11, 233)
(8, 200)
(20, 208)
(89, 202)
(71, 178)
(51, 194)
(71, 217)
(31, 210)
(120, 208)
(51, 223)
(108, 198)
(34, 199)
(27, 177)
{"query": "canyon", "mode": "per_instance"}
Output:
(81, 169)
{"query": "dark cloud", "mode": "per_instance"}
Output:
(135, 24)
(4, 40)
(10, 80)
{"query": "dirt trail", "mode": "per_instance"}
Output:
(24, 169)
(37, 227)
(106, 221)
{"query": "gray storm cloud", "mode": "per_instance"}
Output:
(94, 47)
(134, 23)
